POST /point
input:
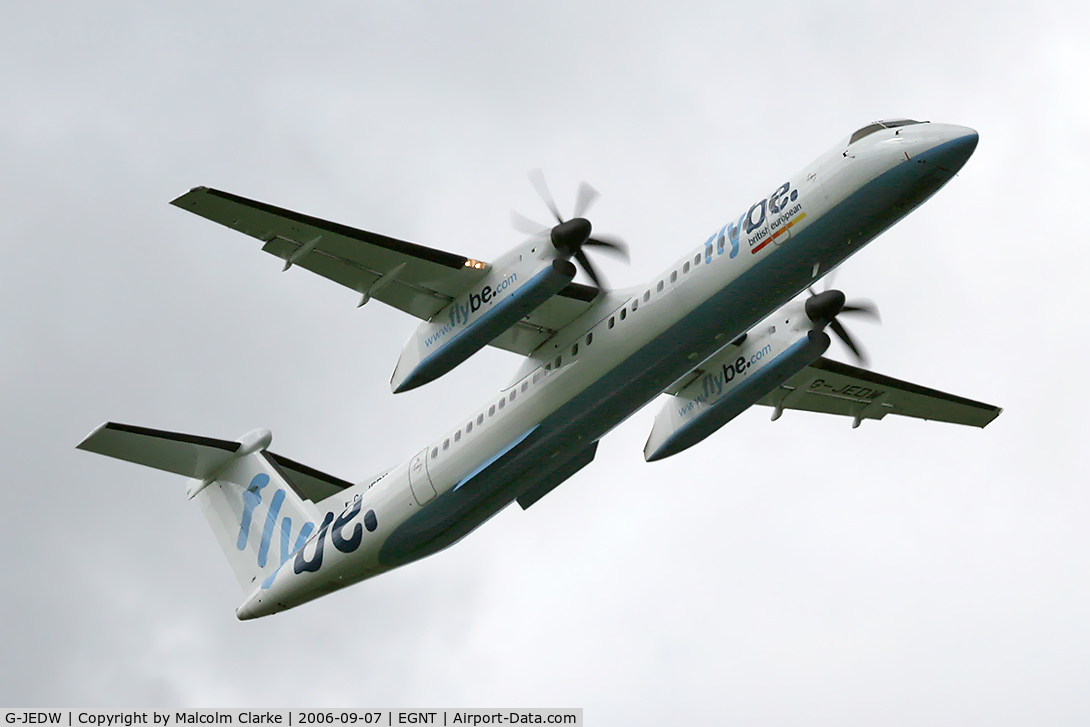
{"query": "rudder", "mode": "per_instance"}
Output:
(257, 516)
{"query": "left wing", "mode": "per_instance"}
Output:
(836, 388)
(418, 280)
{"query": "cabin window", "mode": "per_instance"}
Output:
(458, 436)
(624, 313)
(503, 402)
(696, 260)
(558, 362)
(469, 427)
(659, 287)
(574, 349)
(590, 337)
(480, 419)
(611, 321)
(635, 304)
(512, 397)
(434, 452)
(673, 277)
(721, 244)
(525, 385)
(446, 444)
(537, 376)
(491, 410)
(685, 269)
(646, 296)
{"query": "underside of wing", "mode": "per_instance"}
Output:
(416, 279)
(832, 387)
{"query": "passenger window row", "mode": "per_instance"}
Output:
(544, 372)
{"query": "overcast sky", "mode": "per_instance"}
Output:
(795, 572)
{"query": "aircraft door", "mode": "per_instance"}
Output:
(419, 480)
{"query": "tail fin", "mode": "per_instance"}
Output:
(259, 512)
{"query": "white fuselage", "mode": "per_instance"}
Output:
(624, 351)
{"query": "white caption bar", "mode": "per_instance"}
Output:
(289, 717)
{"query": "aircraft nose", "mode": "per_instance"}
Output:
(952, 154)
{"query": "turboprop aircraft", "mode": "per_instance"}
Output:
(713, 334)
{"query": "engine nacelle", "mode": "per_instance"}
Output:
(471, 321)
(733, 380)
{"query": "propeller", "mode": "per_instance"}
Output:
(569, 237)
(823, 309)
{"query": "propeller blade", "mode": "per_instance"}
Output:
(537, 178)
(844, 336)
(588, 267)
(864, 307)
(526, 225)
(584, 198)
(830, 277)
(612, 245)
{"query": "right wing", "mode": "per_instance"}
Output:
(418, 280)
(832, 387)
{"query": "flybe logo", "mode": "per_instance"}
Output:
(459, 314)
(250, 500)
(345, 538)
(780, 213)
(753, 223)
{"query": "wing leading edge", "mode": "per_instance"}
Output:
(836, 388)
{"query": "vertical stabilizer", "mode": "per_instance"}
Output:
(260, 517)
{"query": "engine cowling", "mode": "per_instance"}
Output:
(733, 380)
(473, 320)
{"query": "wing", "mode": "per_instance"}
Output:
(836, 388)
(418, 280)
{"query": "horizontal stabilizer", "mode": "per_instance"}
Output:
(309, 482)
(182, 454)
(200, 458)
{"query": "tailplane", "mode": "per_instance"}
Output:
(261, 506)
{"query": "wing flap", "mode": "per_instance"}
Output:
(832, 387)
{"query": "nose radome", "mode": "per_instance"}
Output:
(960, 145)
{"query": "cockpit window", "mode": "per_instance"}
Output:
(894, 123)
(865, 131)
(878, 125)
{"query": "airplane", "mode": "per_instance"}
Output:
(714, 334)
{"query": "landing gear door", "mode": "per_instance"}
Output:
(419, 481)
